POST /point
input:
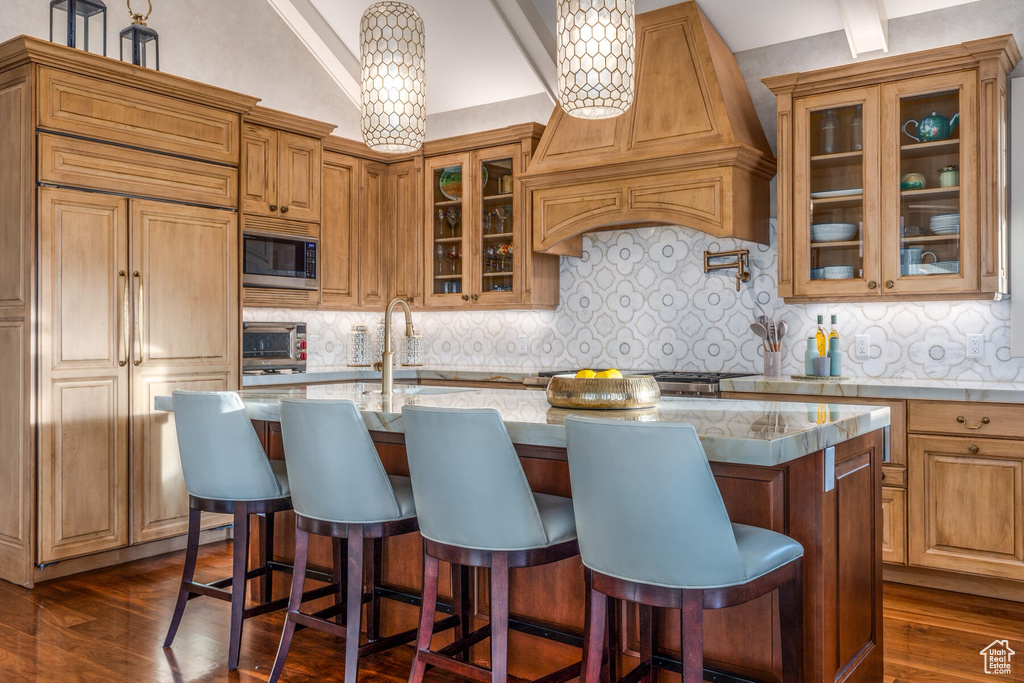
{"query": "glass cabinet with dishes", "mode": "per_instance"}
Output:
(477, 245)
(838, 234)
(895, 188)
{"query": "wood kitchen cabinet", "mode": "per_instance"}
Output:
(280, 173)
(864, 212)
(124, 284)
(107, 301)
(477, 254)
(370, 237)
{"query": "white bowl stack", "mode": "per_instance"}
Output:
(833, 232)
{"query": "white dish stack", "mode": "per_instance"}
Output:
(945, 224)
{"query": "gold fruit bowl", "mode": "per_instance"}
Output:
(626, 393)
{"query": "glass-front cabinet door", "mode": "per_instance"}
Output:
(929, 177)
(497, 274)
(448, 224)
(836, 207)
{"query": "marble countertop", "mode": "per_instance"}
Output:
(762, 433)
(347, 374)
(865, 387)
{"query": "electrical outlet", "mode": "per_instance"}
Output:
(975, 345)
(524, 344)
(862, 347)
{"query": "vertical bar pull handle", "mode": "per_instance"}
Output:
(125, 331)
(138, 319)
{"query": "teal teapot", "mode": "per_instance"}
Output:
(932, 128)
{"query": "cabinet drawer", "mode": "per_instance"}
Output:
(98, 166)
(967, 419)
(894, 525)
(106, 111)
(267, 297)
(965, 505)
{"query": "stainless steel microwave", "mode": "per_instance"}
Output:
(273, 347)
(277, 260)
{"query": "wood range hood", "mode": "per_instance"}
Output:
(690, 151)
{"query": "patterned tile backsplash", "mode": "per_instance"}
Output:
(639, 299)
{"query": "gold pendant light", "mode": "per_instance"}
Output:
(392, 60)
(596, 54)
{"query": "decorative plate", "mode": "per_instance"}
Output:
(450, 182)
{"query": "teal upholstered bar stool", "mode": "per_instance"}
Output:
(476, 509)
(653, 529)
(227, 471)
(339, 489)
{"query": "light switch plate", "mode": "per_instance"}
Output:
(524, 344)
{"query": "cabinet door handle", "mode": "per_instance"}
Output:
(475, 297)
(273, 207)
(889, 284)
(973, 448)
(126, 326)
(465, 297)
(138, 319)
(284, 209)
(872, 284)
(962, 420)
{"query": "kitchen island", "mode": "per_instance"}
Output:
(813, 472)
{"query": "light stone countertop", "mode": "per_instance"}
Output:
(762, 433)
(347, 374)
(864, 387)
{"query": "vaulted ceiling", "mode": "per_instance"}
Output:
(486, 51)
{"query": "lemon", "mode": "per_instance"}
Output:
(586, 374)
(613, 373)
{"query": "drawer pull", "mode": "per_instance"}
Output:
(973, 448)
(963, 420)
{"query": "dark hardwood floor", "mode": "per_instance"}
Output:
(108, 625)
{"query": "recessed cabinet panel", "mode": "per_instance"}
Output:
(894, 525)
(373, 285)
(160, 501)
(299, 177)
(184, 283)
(259, 170)
(405, 186)
(339, 232)
(83, 469)
(966, 505)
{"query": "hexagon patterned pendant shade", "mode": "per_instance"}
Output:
(391, 52)
(596, 53)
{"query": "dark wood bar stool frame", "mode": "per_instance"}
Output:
(787, 579)
(454, 657)
(350, 596)
(241, 574)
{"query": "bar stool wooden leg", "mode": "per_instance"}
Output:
(240, 552)
(294, 602)
(460, 604)
(691, 630)
(354, 607)
(791, 614)
(267, 532)
(373, 613)
(499, 617)
(612, 639)
(647, 641)
(593, 633)
(187, 574)
(340, 575)
(428, 606)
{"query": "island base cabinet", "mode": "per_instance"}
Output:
(840, 530)
(966, 505)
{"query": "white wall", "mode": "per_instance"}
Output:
(240, 45)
